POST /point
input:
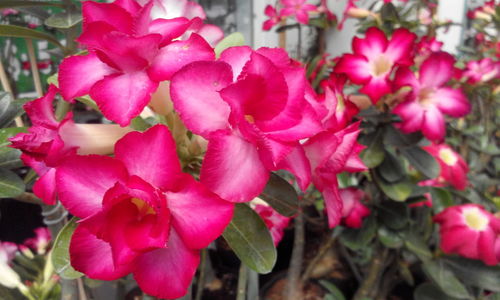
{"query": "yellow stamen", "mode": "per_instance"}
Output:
(448, 156)
(475, 219)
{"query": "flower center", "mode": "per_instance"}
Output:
(250, 119)
(448, 156)
(425, 96)
(381, 66)
(475, 219)
(143, 207)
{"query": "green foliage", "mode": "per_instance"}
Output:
(281, 196)
(232, 40)
(60, 252)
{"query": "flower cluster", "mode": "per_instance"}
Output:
(299, 9)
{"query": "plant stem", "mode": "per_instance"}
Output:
(201, 279)
(293, 289)
(34, 67)
(368, 286)
(7, 88)
(29, 198)
(242, 283)
(321, 252)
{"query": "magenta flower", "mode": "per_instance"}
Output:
(353, 210)
(299, 8)
(323, 8)
(41, 240)
(453, 167)
(250, 106)
(429, 99)
(274, 18)
(48, 142)
(139, 213)
(375, 58)
(479, 71)
(470, 231)
(275, 222)
(129, 54)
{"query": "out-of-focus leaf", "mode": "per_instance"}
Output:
(441, 199)
(333, 290)
(64, 20)
(445, 279)
(428, 291)
(60, 252)
(389, 238)
(356, 239)
(396, 138)
(20, 3)
(390, 169)
(22, 32)
(250, 239)
(399, 191)
(281, 196)
(475, 272)
(11, 185)
(9, 109)
(6, 133)
(232, 40)
(495, 296)
(405, 272)
(416, 244)
(373, 155)
(422, 161)
(389, 12)
(394, 215)
(9, 158)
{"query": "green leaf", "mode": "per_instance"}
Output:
(390, 169)
(394, 215)
(445, 279)
(281, 196)
(422, 161)
(333, 290)
(475, 272)
(21, 3)
(89, 102)
(9, 158)
(11, 185)
(405, 272)
(6, 133)
(356, 239)
(373, 155)
(232, 40)
(399, 191)
(441, 199)
(22, 32)
(416, 244)
(60, 252)
(250, 239)
(428, 291)
(64, 20)
(396, 138)
(9, 109)
(389, 238)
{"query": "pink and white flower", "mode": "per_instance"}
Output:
(250, 107)
(140, 214)
(480, 71)
(49, 141)
(275, 222)
(8, 277)
(41, 240)
(374, 59)
(129, 54)
(430, 98)
(274, 18)
(353, 210)
(470, 231)
(453, 167)
(298, 8)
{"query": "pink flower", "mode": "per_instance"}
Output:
(250, 107)
(353, 210)
(483, 70)
(139, 213)
(8, 277)
(7, 252)
(299, 8)
(348, 7)
(375, 58)
(323, 8)
(275, 222)
(429, 99)
(49, 141)
(470, 231)
(129, 54)
(274, 18)
(485, 12)
(41, 240)
(453, 167)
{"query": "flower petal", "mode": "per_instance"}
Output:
(436, 70)
(400, 47)
(374, 43)
(433, 126)
(355, 66)
(452, 102)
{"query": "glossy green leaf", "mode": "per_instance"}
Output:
(250, 239)
(475, 272)
(334, 291)
(390, 169)
(60, 252)
(389, 238)
(9, 158)
(64, 20)
(416, 244)
(428, 291)
(373, 155)
(232, 40)
(445, 279)
(422, 161)
(281, 196)
(23, 32)
(11, 185)
(25, 3)
(6, 133)
(399, 191)
(356, 239)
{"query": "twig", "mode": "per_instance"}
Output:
(81, 289)
(293, 289)
(6, 87)
(351, 264)
(321, 252)
(242, 283)
(368, 286)
(201, 278)
(29, 198)
(34, 68)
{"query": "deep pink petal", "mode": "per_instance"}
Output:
(45, 187)
(41, 110)
(436, 70)
(412, 115)
(400, 47)
(356, 67)
(169, 28)
(433, 125)
(93, 257)
(405, 77)
(452, 102)
(376, 88)
(374, 44)
(122, 97)
(237, 57)
(174, 56)
(333, 205)
(296, 162)
(159, 164)
(198, 215)
(320, 147)
(82, 182)
(211, 33)
(107, 12)
(77, 74)
(167, 272)
(195, 93)
(229, 165)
